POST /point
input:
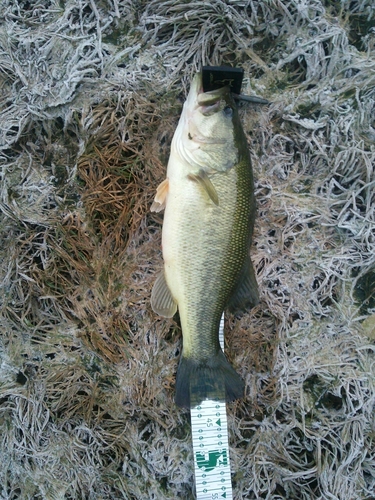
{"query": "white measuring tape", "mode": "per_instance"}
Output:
(211, 447)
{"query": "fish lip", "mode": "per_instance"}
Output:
(212, 96)
(210, 101)
(206, 103)
(211, 108)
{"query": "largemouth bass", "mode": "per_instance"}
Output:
(208, 223)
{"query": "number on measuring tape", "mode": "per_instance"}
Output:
(211, 451)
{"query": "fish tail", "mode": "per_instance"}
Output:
(213, 378)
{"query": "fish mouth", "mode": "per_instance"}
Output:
(207, 102)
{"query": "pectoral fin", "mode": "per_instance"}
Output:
(161, 196)
(246, 294)
(202, 178)
(162, 301)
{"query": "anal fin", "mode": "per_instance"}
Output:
(161, 196)
(162, 301)
(202, 178)
(246, 294)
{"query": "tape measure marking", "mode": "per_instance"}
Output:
(211, 447)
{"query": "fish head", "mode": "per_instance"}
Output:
(209, 132)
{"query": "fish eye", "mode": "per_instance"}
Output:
(228, 111)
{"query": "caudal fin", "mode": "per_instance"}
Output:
(213, 378)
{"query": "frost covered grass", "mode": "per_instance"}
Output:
(90, 94)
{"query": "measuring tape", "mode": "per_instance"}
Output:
(211, 447)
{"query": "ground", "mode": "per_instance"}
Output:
(91, 92)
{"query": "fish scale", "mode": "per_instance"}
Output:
(204, 290)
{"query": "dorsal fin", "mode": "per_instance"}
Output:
(246, 293)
